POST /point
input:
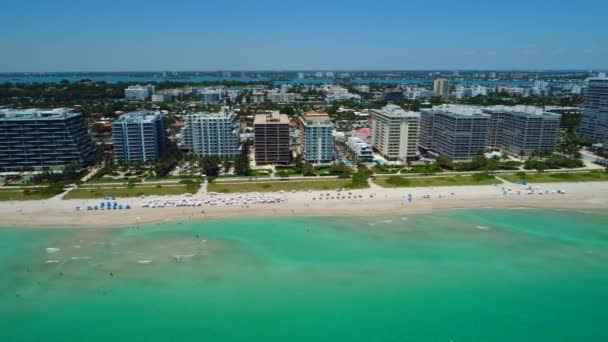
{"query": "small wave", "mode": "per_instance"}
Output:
(183, 257)
(77, 246)
(52, 250)
(81, 258)
(143, 262)
(482, 227)
(404, 218)
(387, 221)
(52, 262)
(371, 224)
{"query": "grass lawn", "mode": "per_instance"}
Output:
(402, 182)
(20, 195)
(290, 170)
(591, 176)
(299, 185)
(101, 192)
(386, 170)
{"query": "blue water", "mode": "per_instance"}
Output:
(118, 79)
(475, 275)
(200, 79)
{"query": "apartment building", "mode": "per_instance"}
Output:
(455, 131)
(35, 139)
(396, 133)
(212, 134)
(271, 139)
(139, 136)
(316, 138)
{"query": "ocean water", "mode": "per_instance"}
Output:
(482, 275)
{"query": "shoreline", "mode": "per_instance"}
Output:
(58, 213)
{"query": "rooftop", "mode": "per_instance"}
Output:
(271, 118)
(37, 114)
(457, 110)
(317, 118)
(140, 117)
(521, 110)
(225, 112)
(366, 131)
(395, 111)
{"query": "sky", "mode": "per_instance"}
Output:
(173, 35)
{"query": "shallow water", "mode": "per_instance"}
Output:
(511, 275)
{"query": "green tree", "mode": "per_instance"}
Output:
(308, 169)
(282, 173)
(210, 165)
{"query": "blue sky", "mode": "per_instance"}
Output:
(87, 35)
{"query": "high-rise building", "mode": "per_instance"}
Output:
(212, 134)
(454, 131)
(316, 138)
(395, 133)
(271, 139)
(139, 93)
(514, 129)
(441, 87)
(139, 136)
(594, 121)
(35, 139)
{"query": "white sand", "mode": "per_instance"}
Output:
(61, 213)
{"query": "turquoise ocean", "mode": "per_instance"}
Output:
(479, 275)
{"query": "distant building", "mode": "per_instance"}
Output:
(361, 149)
(463, 92)
(455, 131)
(316, 138)
(163, 98)
(362, 88)
(139, 136)
(396, 133)
(34, 139)
(339, 93)
(271, 139)
(139, 93)
(392, 95)
(523, 128)
(282, 97)
(441, 87)
(212, 134)
(258, 97)
(418, 94)
(211, 97)
(594, 121)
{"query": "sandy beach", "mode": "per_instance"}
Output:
(373, 201)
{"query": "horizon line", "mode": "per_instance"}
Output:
(305, 70)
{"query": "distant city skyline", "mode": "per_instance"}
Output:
(272, 35)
